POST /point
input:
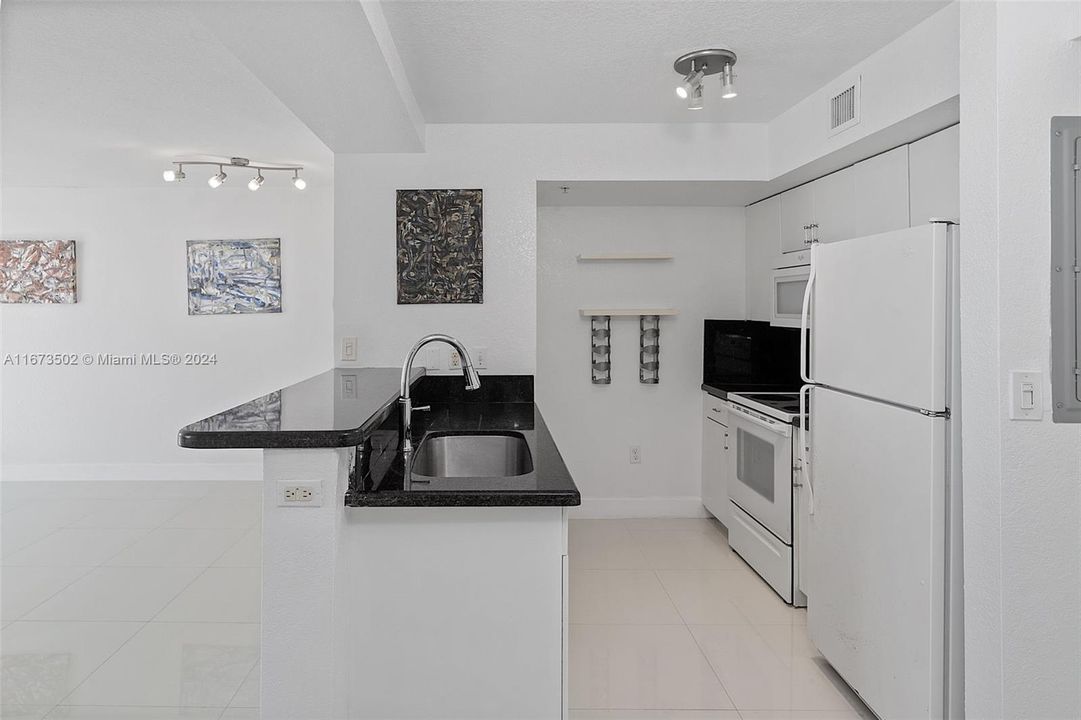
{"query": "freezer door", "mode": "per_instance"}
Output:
(880, 315)
(875, 570)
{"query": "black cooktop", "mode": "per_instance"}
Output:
(785, 402)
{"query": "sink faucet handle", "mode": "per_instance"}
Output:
(422, 408)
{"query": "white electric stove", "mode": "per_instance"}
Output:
(764, 527)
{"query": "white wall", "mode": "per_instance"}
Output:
(120, 421)
(1022, 480)
(594, 425)
(505, 161)
(915, 72)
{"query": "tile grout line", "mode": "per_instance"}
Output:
(142, 625)
(244, 680)
(122, 645)
(90, 568)
(698, 645)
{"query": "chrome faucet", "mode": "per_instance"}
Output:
(405, 403)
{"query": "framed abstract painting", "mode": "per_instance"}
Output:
(440, 246)
(37, 271)
(229, 277)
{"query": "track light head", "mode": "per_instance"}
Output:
(174, 175)
(216, 181)
(298, 182)
(256, 182)
(692, 81)
(694, 100)
(728, 83)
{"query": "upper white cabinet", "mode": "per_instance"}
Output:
(834, 211)
(934, 170)
(879, 199)
(763, 254)
(797, 216)
(867, 198)
(901, 188)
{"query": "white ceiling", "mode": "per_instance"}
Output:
(323, 61)
(601, 61)
(105, 94)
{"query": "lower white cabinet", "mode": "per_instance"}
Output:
(717, 458)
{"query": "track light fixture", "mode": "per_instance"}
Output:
(694, 66)
(218, 179)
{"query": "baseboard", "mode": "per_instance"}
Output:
(149, 472)
(639, 507)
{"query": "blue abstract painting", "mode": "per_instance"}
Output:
(227, 277)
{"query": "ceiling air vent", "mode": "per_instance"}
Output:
(845, 108)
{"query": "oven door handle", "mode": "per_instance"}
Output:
(782, 429)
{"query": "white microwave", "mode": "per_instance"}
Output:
(789, 285)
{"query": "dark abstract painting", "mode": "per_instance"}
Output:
(226, 277)
(440, 251)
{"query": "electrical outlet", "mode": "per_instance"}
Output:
(300, 492)
(636, 455)
(349, 349)
(455, 361)
(480, 358)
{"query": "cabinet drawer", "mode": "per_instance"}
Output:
(770, 557)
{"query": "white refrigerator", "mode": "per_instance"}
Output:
(882, 567)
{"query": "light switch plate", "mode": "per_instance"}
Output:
(349, 349)
(1026, 395)
(480, 358)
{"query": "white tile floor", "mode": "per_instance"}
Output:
(140, 601)
(667, 622)
(129, 601)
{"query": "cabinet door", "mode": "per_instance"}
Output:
(934, 176)
(716, 458)
(763, 254)
(880, 193)
(797, 211)
(833, 206)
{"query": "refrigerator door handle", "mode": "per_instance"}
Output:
(804, 445)
(805, 319)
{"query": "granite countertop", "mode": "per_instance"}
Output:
(503, 404)
(337, 408)
(356, 407)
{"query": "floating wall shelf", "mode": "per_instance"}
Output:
(626, 312)
(625, 257)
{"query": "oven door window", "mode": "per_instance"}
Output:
(755, 463)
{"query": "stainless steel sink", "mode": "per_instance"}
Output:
(497, 454)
